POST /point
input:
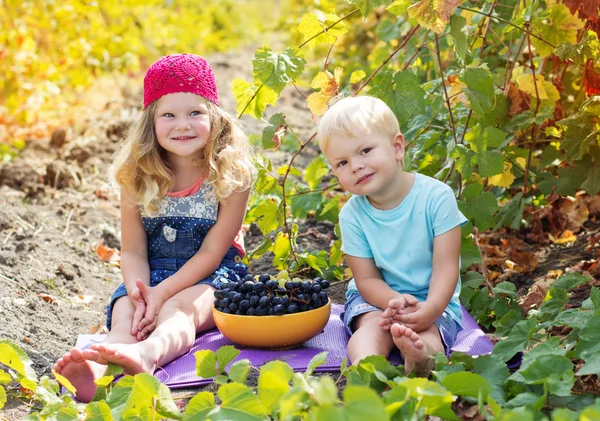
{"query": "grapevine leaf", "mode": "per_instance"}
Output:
(267, 215)
(467, 384)
(479, 90)
(491, 138)
(303, 204)
(592, 182)
(555, 370)
(459, 34)
(64, 382)
(481, 209)
(119, 396)
(365, 6)
(276, 70)
(432, 396)
(14, 357)
(273, 382)
(315, 171)
(98, 411)
(199, 406)
(206, 363)
(238, 402)
(316, 361)
(587, 48)
(363, 403)
(490, 163)
(433, 14)
(571, 178)
(556, 26)
(357, 76)
(505, 179)
(511, 213)
(312, 27)
(516, 341)
(463, 158)
(272, 135)
(546, 182)
(252, 98)
(495, 372)
(546, 91)
(402, 93)
(317, 103)
(238, 372)
(398, 7)
(225, 355)
(2, 397)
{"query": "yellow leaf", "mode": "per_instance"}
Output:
(321, 80)
(357, 75)
(505, 179)
(556, 26)
(317, 103)
(433, 14)
(546, 90)
(63, 381)
(566, 237)
(312, 24)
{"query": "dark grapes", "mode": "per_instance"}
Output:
(264, 295)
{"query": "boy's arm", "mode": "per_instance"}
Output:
(370, 283)
(444, 277)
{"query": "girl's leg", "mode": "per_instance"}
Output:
(417, 348)
(179, 319)
(369, 338)
(80, 366)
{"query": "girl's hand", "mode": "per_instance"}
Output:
(140, 309)
(154, 299)
(396, 307)
(419, 317)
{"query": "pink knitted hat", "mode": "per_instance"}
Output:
(180, 73)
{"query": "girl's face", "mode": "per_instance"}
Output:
(182, 124)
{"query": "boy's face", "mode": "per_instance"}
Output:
(366, 165)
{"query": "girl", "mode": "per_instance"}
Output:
(185, 172)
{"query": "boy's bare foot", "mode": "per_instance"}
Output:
(80, 369)
(417, 354)
(127, 356)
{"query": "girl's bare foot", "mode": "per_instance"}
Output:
(417, 354)
(127, 356)
(80, 369)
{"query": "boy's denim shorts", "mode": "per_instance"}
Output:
(356, 305)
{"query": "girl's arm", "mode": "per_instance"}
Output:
(215, 245)
(134, 248)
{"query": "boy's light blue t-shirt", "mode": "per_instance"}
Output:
(400, 240)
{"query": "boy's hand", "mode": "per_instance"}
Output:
(418, 317)
(154, 299)
(140, 309)
(396, 307)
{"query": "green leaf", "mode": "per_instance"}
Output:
(490, 163)
(491, 138)
(571, 178)
(14, 357)
(118, 397)
(276, 121)
(511, 213)
(327, 412)
(238, 403)
(588, 345)
(273, 382)
(238, 372)
(459, 33)
(481, 210)
(276, 70)
(592, 181)
(554, 370)
(546, 182)
(281, 249)
(467, 384)
(206, 364)
(573, 317)
(252, 98)
(402, 93)
(495, 372)
(304, 203)
(148, 396)
(516, 342)
(579, 52)
(432, 397)
(199, 406)
(316, 361)
(225, 355)
(267, 215)
(365, 6)
(553, 304)
(479, 90)
(98, 411)
(315, 171)
(362, 403)
(557, 26)
(433, 14)
(463, 159)
(571, 280)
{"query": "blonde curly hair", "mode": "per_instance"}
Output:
(140, 166)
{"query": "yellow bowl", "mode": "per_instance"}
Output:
(285, 331)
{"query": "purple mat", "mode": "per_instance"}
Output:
(333, 339)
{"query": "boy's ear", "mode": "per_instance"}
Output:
(398, 143)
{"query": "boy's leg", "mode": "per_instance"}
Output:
(80, 366)
(417, 348)
(369, 338)
(179, 319)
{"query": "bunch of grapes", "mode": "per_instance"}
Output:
(265, 296)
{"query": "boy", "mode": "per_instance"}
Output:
(401, 235)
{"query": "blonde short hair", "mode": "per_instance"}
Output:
(140, 166)
(357, 116)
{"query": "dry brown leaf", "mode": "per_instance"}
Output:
(526, 261)
(519, 100)
(47, 298)
(100, 328)
(536, 294)
(566, 237)
(107, 254)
